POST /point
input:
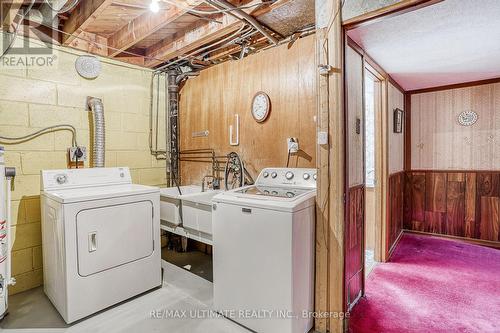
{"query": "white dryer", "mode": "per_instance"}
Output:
(263, 254)
(101, 239)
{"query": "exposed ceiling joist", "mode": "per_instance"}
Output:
(144, 26)
(83, 15)
(128, 31)
(266, 9)
(192, 39)
(132, 60)
(186, 42)
(91, 43)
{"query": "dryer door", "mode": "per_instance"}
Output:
(111, 236)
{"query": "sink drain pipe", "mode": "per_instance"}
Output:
(173, 120)
(174, 79)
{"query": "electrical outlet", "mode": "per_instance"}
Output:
(77, 154)
(293, 145)
(322, 138)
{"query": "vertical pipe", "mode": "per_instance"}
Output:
(95, 105)
(173, 115)
(167, 133)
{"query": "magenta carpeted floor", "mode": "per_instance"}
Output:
(432, 285)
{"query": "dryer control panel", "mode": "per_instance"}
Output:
(75, 178)
(289, 177)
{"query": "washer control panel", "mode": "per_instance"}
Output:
(292, 177)
(74, 178)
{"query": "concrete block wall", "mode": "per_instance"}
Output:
(31, 99)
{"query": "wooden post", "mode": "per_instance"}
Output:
(330, 161)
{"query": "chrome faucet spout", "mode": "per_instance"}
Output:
(203, 181)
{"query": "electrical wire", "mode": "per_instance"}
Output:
(218, 11)
(77, 37)
(155, 152)
(339, 10)
(182, 58)
(60, 127)
(60, 10)
(186, 57)
(228, 44)
(288, 158)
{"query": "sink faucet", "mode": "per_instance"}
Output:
(203, 181)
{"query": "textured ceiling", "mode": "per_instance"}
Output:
(454, 41)
(290, 17)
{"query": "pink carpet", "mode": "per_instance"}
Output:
(432, 285)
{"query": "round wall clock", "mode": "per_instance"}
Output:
(467, 118)
(261, 105)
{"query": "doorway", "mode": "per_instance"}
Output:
(372, 108)
(366, 170)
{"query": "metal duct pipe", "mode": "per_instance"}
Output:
(95, 105)
(243, 15)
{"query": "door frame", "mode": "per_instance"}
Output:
(347, 185)
(381, 158)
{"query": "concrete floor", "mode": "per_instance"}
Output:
(33, 312)
(196, 262)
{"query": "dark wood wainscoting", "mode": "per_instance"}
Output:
(463, 204)
(354, 242)
(396, 209)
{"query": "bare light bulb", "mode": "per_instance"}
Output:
(154, 6)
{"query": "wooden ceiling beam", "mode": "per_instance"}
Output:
(139, 61)
(144, 26)
(191, 40)
(83, 15)
(267, 8)
(91, 43)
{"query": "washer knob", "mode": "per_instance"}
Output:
(274, 193)
(61, 179)
(314, 176)
(306, 176)
(265, 174)
(274, 175)
(289, 175)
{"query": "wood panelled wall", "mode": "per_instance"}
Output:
(211, 100)
(463, 204)
(439, 142)
(354, 239)
(395, 210)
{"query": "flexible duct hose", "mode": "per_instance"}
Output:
(97, 108)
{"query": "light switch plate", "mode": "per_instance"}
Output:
(292, 145)
(322, 138)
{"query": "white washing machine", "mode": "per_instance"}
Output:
(101, 239)
(263, 252)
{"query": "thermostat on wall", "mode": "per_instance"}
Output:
(467, 118)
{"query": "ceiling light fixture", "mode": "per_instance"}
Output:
(154, 6)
